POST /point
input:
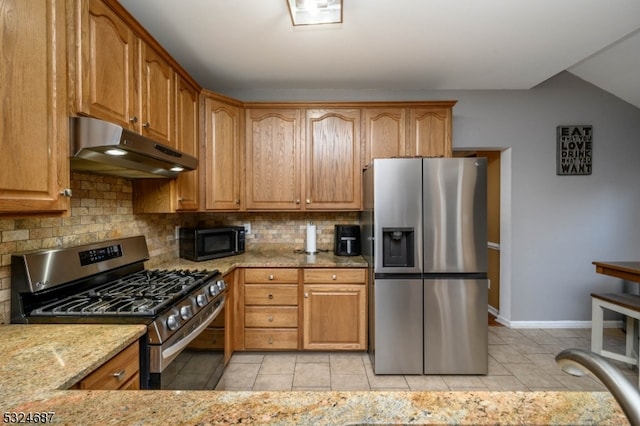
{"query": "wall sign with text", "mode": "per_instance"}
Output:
(575, 150)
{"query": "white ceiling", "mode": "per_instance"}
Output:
(229, 45)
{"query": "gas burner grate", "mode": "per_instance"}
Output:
(143, 293)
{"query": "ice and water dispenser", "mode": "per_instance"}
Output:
(397, 247)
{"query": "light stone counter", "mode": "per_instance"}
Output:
(37, 362)
(267, 256)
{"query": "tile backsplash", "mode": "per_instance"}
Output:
(101, 209)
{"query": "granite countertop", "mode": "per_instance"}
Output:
(269, 256)
(38, 362)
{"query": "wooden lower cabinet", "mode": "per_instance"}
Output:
(335, 309)
(122, 372)
(302, 309)
(270, 313)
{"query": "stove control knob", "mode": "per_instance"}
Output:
(221, 284)
(185, 312)
(214, 290)
(201, 300)
(173, 323)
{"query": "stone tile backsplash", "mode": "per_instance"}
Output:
(101, 209)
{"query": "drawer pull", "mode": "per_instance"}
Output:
(333, 277)
(270, 277)
(119, 375)
(271, 296)
(270, 340)
(270, 318)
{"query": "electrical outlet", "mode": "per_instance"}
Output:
(177, 232)
(489, 284)
(247, 228)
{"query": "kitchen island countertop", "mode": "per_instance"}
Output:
(38, 362)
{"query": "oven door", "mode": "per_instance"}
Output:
(160, 356)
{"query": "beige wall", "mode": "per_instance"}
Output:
(101, 209)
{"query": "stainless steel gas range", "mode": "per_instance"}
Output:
(108, 283)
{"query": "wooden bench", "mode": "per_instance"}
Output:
(626, 304)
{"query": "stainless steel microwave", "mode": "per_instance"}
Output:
(211, 243)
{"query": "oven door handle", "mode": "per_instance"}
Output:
(182, 343)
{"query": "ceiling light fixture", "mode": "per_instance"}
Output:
(314, 12)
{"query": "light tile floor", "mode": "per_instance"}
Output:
(519, 360)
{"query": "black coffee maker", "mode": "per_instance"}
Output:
(347, 240)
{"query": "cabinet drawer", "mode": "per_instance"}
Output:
(275, 294)
(270, 275)
(270, 338)
(327, 276)
(115, 373)
(271, 317)
(133, 384)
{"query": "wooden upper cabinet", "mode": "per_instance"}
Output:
(182, 193)
(333, 164)
(105, 76)
(222, 155)
(430, 132)
(118, 76)
(187, 141)
(34, 140)
(384, 133)
(273, 156)
(158, 95)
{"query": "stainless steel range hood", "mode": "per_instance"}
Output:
(101, 147)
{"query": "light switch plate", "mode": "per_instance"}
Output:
(247, 228)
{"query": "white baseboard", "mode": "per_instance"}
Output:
(549, 324)
(493, 311)
(556, 324)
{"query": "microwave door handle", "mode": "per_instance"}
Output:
(236, 234)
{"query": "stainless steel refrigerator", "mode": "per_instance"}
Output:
(424, 231)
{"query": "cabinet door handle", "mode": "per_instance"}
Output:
(333, 277)
(270, 296)
(146, 125)
(237, 201)
(297, 200)
(308, 201)
(306, 295)
(270, 318)
(119, 375)
(133, 119)
(270, 277)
